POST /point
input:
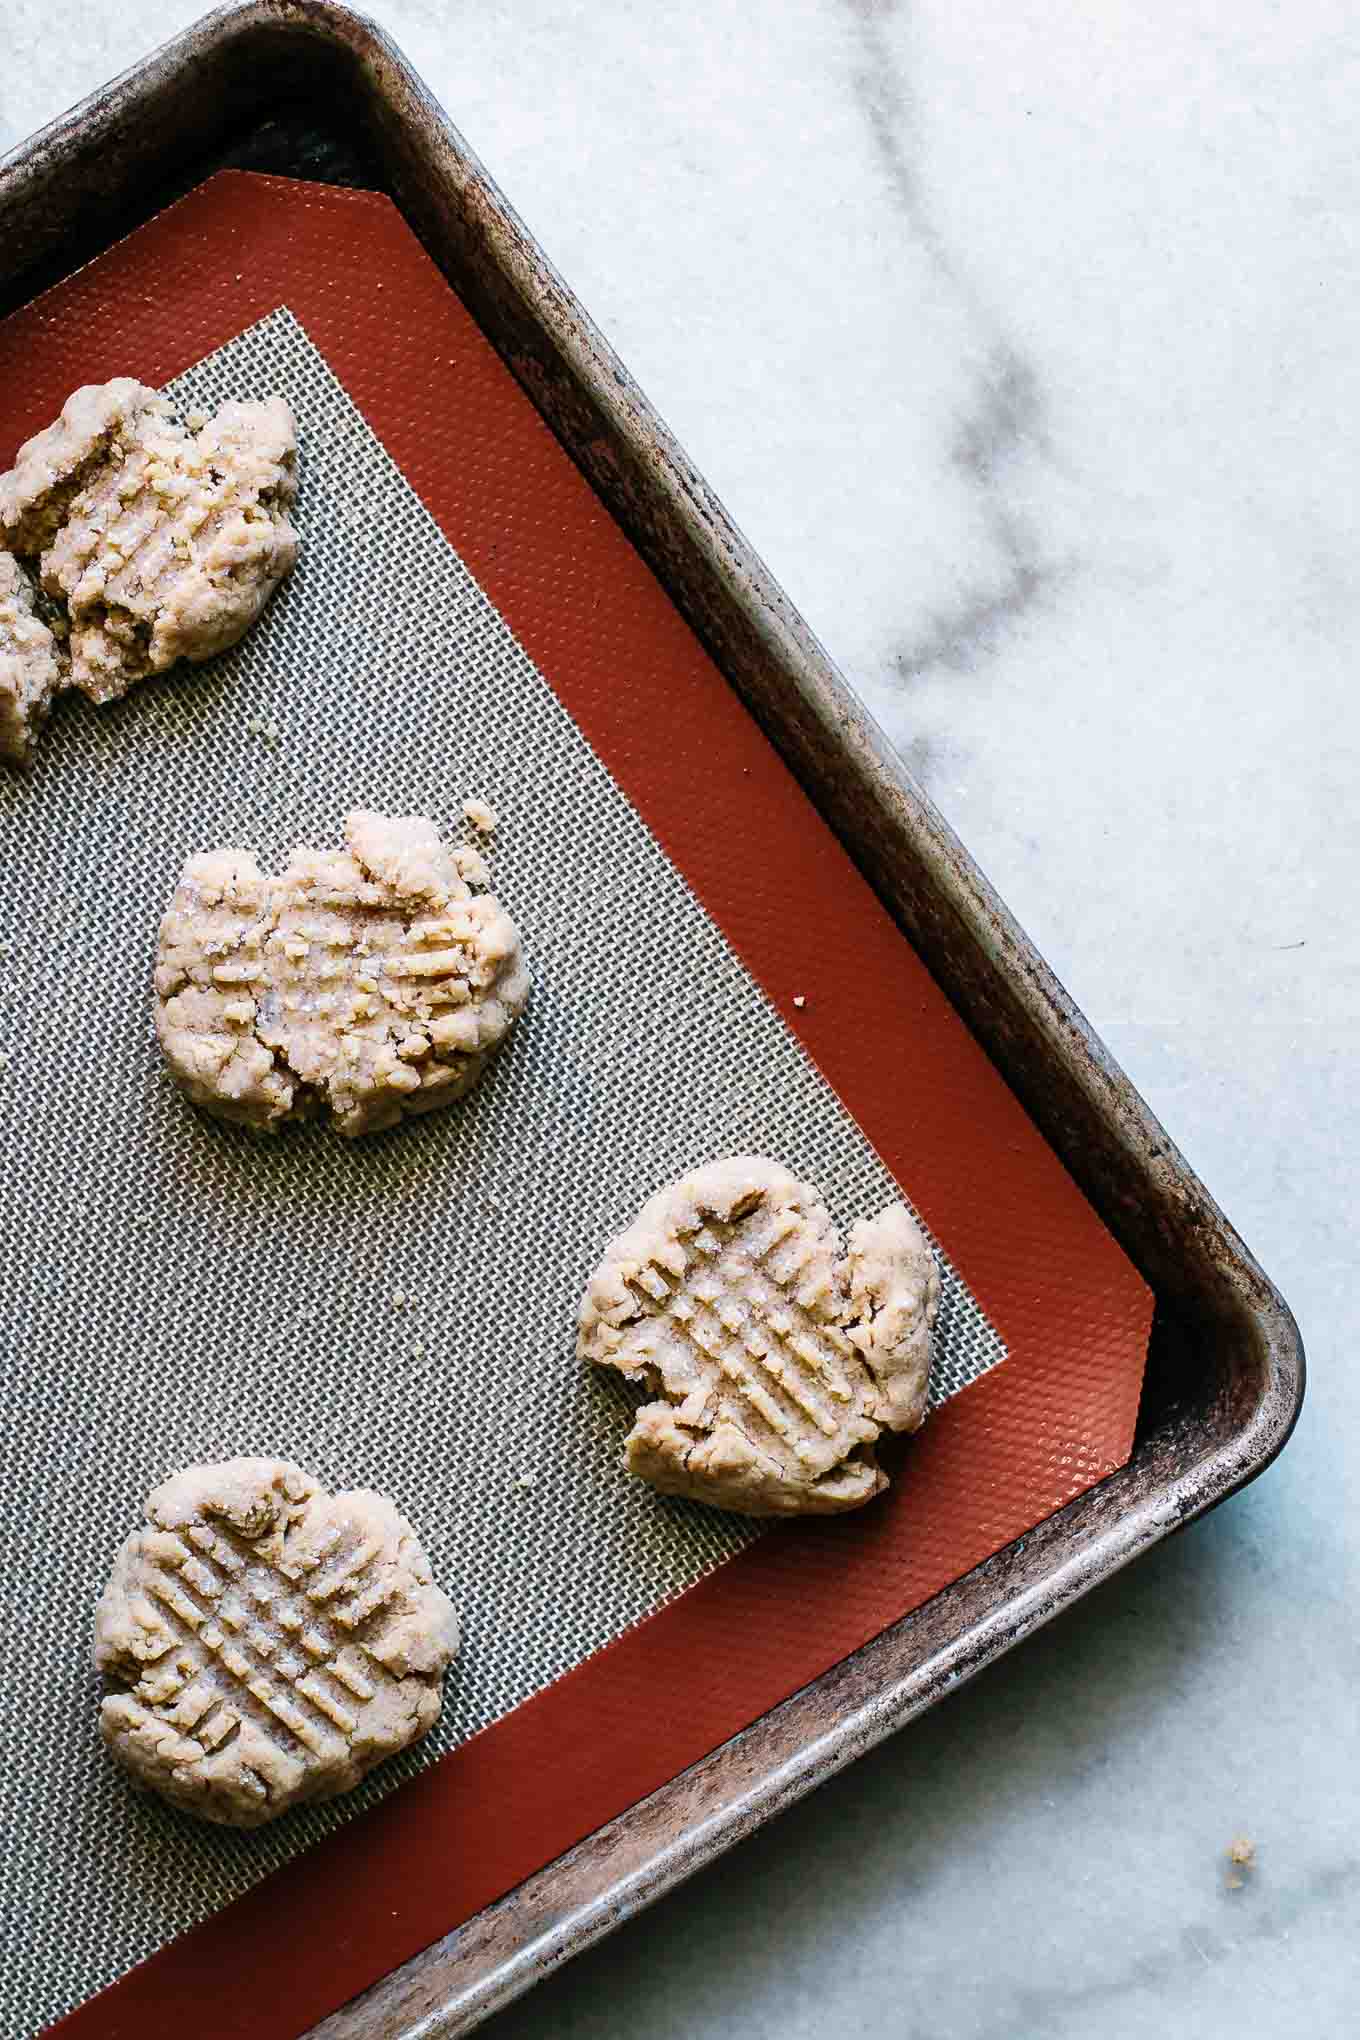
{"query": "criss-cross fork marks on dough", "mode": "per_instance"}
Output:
(781, 1357)
(763, 1357)
(372, 981)
(156, 543)
(272, 1650)
(267, 1670)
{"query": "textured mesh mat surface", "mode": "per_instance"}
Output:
(172, 1289)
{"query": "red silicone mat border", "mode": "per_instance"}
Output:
(1013, 1447)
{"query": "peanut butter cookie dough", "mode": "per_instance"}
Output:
(273, 1641)
(370, 981)
(31, 664)
(160, 543)
(780, 1357)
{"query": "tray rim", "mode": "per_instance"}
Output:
(53, 184)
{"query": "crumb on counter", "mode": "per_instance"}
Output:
(799, 999)
(1241, 1855)
(480, 814)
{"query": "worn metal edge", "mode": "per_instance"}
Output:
(476, 1970)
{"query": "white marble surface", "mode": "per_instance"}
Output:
(1023, 342)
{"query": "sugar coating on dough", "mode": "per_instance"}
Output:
(780, 1357)
(164, 544)
(369, 980)
(31, 664)
(272, 1641)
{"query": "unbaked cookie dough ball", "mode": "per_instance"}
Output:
(270, 1642)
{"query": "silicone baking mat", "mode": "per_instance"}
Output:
(174, 1289)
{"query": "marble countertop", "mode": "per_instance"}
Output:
(1022, 341)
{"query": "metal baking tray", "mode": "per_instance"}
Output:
(300, 87)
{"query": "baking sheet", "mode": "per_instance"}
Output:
(182, 1290)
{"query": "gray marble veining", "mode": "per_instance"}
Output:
(1003, 420)
(1023, 342)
